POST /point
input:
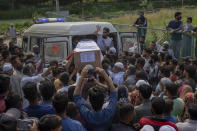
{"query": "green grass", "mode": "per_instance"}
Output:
(156, 20)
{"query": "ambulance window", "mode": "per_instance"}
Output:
(55, 51)
(128, 43)
(34, 41)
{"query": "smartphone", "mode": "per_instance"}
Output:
(23, 125)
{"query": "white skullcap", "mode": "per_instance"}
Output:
(147, 128)
(141, 82)
(45, 69)
(119, 65)
(131, 50)
(165, 81)
(166, 43)
(35, 46)
(7, 67)
(167, 128)
(113, 50)
(64, 62)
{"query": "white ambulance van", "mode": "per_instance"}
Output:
(57, 40)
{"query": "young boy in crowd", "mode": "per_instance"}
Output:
(34, 109)
(126, 113)
(60, 103)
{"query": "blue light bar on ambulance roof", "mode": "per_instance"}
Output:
(47, 20)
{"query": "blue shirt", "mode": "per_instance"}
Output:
(48, 106)
(171, 118)
(97, 121)
(71, 125)
(38, 111)
(175, 25)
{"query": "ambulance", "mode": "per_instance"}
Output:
(56, 38)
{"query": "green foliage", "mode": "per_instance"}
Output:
(20, 26)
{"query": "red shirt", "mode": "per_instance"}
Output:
(156, 123)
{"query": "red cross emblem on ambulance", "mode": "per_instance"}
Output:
(54, 49)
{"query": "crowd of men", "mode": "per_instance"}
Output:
(146, 91)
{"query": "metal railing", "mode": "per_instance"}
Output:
(187, 45)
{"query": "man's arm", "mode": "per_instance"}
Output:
(109, 81)
(159, 47)
(145, 23)
(136, 22)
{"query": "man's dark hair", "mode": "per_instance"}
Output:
(13, 59)
(72, 110)
(125, 109)
(177, 14)
(64, 78)
(158, 105)
(141, 61)
(27, 69)
(148, 50)
(193, 110)
(154, 57)
(137, 55)
(168, 57)
(132, 69)
(30, 91)
(21, 55)
(49, 122)
(71, 90)
(60, 102)
(106, 29)
(141, 75)
(194, 62)
(181, 67)
(168, 106)
(4, 83)
(132, 60)
(174, 62)
(172, 88)
(47, 90)
(145, 91)
(29, 56)
(5, 54)
(162, 55)
(96, 97)
(13, 100)
(165, 71)
(53, 63)
(189, 18)
(57, 71)
(190, 70)
(106, 60)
